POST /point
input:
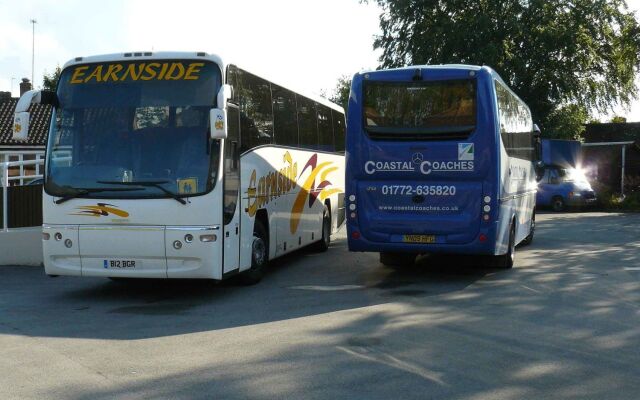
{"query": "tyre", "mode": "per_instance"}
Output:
(557, 204)
(527, 241)
(325, 241)
(397, 260)
(506, 261)
(259, 255)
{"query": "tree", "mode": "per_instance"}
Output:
(616, 119)
(50, 81)
(558, 56)
(340, 94)
(568, 122)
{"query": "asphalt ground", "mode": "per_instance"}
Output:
(564, 323)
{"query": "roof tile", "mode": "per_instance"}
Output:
(40, 116)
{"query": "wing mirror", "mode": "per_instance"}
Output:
(21, 116)
(536, 130)
(537, 144)
(218, 116)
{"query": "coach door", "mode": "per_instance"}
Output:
(231, 231)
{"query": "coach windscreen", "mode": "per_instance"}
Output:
(139, 124)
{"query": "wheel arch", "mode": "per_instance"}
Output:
(327, 202)
(262, 217)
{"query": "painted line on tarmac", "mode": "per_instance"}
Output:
(533, 290)
(381, 357)
(327, 288)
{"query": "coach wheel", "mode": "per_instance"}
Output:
(259, 255)
(506, 261)
(325, 241)
(527, 241)
(557, 204)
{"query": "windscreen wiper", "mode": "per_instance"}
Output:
(155, 184)
(86, 191)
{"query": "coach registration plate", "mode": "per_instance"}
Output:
(122, 264)
(419, 238)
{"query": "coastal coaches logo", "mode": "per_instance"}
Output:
(465, 151)
(371, 167)
(428, 167)
(464, 164)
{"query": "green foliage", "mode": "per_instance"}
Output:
(50, 81)
(631, 202)
(609, 198)
(558, 56)
(340, 94)
(612, 202)
(618, 119)
(566, 122)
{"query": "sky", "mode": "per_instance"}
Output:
(303, 44)
(306, 45)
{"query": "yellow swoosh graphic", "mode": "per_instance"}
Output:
(298, 205)
(101, 210)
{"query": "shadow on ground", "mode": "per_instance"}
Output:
(562, 324)
(36, 305)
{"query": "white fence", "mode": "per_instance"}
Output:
(19, 160)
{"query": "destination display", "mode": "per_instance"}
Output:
(138, 71)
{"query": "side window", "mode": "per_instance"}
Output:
(231, 164)
(325, 128)
(256, 115)
(338, 130)
(523, 145)
(285, 124)
(307, 123)
(516, 126)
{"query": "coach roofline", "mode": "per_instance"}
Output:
(190, 55)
